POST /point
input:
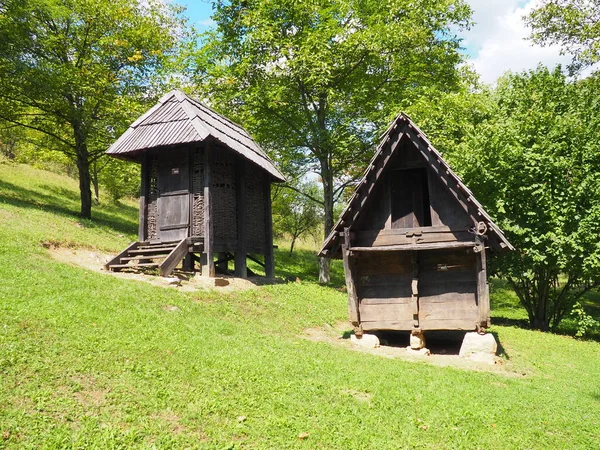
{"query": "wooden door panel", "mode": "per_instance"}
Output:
(173, 200)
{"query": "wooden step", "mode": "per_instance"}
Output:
(165, 250)
(165, 245)
(132, 266)
(139, 257)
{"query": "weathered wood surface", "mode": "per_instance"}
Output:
(179, 119)
(117, 259)
(174, 258)
(411, 247)
(240, 251)
(208, 267)
(353, 306)
(407, 236)
(143, 194)
(448, 191)
(174, 196)
(396, 324)
(483, 294)
(269, 255)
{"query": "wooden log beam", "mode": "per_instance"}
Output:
(415, 288)
(483, 294)
(174, 258)
(241, 269)
(411, 247)
(269, 255)
(353, 309)
(143, 193)
(208, 267)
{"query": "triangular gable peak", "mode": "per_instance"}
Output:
(179, 119)
(409, 188)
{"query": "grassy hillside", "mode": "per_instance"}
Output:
(88, 360)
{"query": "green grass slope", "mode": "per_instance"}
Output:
(88, 360)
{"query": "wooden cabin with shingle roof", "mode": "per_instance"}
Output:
(205, 190)
(413, 239)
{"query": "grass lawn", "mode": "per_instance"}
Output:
(88, 360)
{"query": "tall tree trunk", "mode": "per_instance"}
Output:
(327, 177)
(83, 168)
(95, 182)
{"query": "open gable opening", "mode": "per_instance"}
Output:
(409, 198)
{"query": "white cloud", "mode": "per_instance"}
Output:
(498, 41)
(206, 23)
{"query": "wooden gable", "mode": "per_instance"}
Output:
(408, 188)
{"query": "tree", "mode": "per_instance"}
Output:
(315, 82)
(534, 162)
(572, 24)
(294, 213)
(76, 70)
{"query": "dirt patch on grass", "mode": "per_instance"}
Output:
(94, 260)
(442, 354)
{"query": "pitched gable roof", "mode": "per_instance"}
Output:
(179, 119)
(401, 127)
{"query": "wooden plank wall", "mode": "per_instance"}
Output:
(383, 285)
(447, 289)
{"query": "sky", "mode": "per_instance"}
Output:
(495, 44)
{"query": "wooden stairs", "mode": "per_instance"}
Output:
(164, 256)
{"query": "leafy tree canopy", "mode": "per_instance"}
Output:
(530, 152)
(75, 70)
(316, 81)
(572, 24)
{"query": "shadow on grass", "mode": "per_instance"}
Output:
(29, 199)
(510, 322)
(501, 351)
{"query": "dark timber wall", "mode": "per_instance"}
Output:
(413, 240)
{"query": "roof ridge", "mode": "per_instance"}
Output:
(447, 172)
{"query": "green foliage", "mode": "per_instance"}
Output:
(315, 82)
(295, 213)
(76, 71)
(119, 178)
(572, 24)
(534, 162)
(584, 321)
(89, 360)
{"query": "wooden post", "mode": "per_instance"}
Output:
(188, 261)
(269, 256)
(240, 202)
(143, 193)
(208, 266)
(483, 294)
(415, 289)
(222, 262)
(353, 310)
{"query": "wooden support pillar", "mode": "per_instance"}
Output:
(269, 256)
(483, 294)
(208, 266)
(414, 301)
(188, 262)
(353, 310)
(241, 269)
(222, 262)
(143, 194)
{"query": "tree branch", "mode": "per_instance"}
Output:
(310, 197)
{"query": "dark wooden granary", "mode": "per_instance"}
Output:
(205, 190)
(413, 240)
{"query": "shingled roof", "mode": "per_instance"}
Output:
(400, 127)
(179, 119)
